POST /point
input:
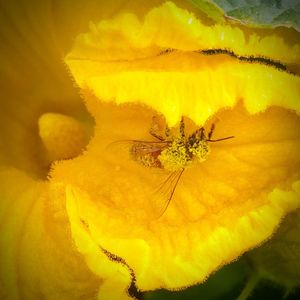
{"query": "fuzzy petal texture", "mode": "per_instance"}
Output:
(92, 230)
(37, 256)
(222, 207)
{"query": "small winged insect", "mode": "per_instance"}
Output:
(171, 152)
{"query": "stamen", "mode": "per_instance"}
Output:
(63, 136)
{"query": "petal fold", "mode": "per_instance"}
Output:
(37, 257)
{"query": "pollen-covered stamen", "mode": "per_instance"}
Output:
(63, 136)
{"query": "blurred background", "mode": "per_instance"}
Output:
(227, 284)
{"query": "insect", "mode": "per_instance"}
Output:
(173, 152)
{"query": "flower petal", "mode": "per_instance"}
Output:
(228, 204)
(116, 275)
(36, 251)
(222, 207)
(136, 69)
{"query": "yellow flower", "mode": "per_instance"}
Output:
(101, 224)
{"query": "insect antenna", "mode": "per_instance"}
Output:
(213, 126)
(211, 131)
(182, 128)
(222, 139)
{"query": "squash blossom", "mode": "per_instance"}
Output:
(182, 155)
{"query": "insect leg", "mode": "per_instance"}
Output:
(218, 140)
(222, 139)
(155, 129)
(182, 133)
(201, 133)
(212, 128)
(167, 132)
(154, 134)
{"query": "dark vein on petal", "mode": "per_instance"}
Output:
(249, 59)
(133, 291)
(262, 60)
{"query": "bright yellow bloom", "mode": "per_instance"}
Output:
(93, 225)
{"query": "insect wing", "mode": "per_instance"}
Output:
(133, 148)
(146, 148)
(164, 193)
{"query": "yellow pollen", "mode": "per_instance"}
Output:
(63, 136)
(200, 150)
(175, 157)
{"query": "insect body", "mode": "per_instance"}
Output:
(147, 153)
(173, 153)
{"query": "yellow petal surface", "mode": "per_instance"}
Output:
(127, 37)
(223, 206)
(116, 275)
(136, 69)
(228, 204)
(37, 256)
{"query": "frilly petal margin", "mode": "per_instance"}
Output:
(224, 244)
(117, 279)
(138, 68)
